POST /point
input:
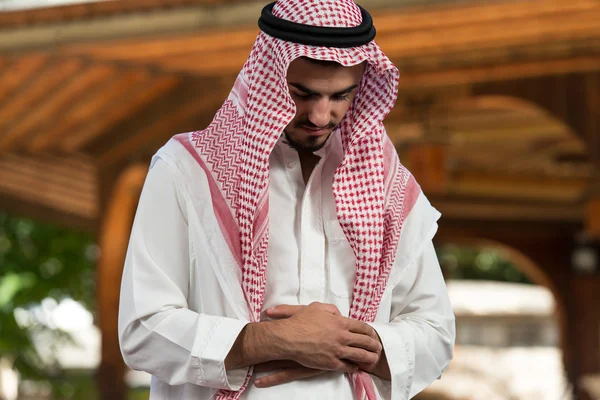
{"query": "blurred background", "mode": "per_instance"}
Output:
(498, 117)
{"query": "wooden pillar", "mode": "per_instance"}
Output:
(585, 293)
(113, 240)
(427, 162)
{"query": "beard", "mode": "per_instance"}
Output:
(310, 143)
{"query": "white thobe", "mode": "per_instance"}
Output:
(181, 303)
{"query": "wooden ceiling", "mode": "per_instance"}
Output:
(73, 108)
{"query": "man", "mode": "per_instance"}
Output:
(284, 252)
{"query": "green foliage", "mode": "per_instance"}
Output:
(39, 261)
(460, 262)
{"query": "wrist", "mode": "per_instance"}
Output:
(266, 341)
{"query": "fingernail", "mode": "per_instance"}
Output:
(257, 382)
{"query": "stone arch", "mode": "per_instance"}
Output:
(533, 270)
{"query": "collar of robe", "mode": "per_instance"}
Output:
(317, 35)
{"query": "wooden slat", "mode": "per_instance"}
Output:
(476, 74)
(39, 192)
(19, 71)
(404, 28)
(94, 9)
(50, 182)
(54, 170)
(162, 128)
(519, 187)
(91, 107)
(435, 16)
(51, 111)
(83, 136)
(206, 64)
(482, 35)
(188, 107)
(167, 46)
(28, 98)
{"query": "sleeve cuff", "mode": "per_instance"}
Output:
(398, 346)
(213, 351)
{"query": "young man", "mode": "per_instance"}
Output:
(284, 252)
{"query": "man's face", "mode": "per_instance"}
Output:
(323, 94)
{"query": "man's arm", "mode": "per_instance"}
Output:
(419, 339)
(158, 333)
(314, 336)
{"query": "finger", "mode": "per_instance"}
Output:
(275, 365)
(287, 375)
(283, 311)
(360, 356)
(364, 342)
(362, 328)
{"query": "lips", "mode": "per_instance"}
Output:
(316, 132)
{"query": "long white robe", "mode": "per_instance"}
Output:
(181, 301)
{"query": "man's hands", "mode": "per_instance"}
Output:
(289, 371)
(319, 337)
(321, 340)
(305, 341)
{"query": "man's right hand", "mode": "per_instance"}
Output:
(319, 337)
(316, 336)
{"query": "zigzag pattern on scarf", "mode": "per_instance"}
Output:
(225, 154)
(393, 221)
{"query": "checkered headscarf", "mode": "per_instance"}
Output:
(369, 185)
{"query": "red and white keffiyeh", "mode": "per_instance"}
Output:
(369, 185)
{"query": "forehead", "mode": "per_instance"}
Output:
(319, 76)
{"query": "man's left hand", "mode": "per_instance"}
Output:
(293, 371)
(286, 371)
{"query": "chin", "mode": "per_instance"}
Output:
(311, 144)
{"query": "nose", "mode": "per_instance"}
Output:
(320, 113)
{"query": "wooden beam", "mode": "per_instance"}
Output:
(147, 95)
(70, 12)
(463, 208)
(518, 187)
(416, 29)
(113, 240)
(168, 46)
(73, 172)
(181, 110)
(431, 16)
(428, 163)
(482, 33)
(592, 119)
(68, 186)
(50, 111)
(29, 208)
(592, 217)
(30, 96)
(91, 107)
(496, 73)
(19, 71)
(161, 129)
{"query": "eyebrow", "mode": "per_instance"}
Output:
(308, 91)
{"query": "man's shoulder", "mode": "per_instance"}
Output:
(180, 155)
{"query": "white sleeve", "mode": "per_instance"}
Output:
(419, 339)
(158, 333)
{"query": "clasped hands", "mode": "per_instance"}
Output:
(319, 339)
